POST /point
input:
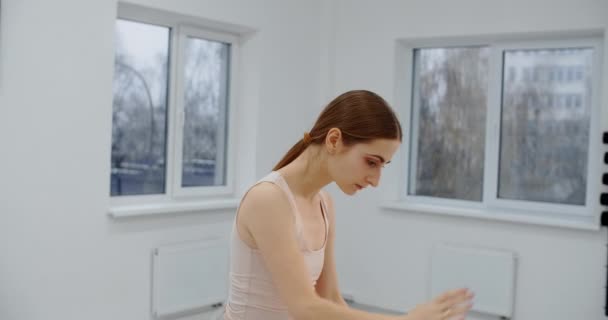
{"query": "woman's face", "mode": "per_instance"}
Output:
(358, 166)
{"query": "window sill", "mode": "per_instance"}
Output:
(125, 211)
(575, 222)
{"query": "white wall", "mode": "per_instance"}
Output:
(61, 257)
(383, 255)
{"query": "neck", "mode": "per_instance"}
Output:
(307, 174)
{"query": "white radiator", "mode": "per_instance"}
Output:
(489, 273)
(189, 277)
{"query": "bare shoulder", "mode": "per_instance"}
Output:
(263, 192)
(265, 201)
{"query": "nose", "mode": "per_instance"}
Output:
(373, 180)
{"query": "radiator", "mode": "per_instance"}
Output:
(189, 277)
(490, 273)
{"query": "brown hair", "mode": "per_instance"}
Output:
(361, 115)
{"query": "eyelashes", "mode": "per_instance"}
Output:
(372, 163)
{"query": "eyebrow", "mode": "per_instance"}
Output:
(379, 157)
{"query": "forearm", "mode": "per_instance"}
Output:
(322, 309)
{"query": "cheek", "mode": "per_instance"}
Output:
(355, 167)
(349, 168)
(345, 169)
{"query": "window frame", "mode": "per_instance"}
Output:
(491, 207)
(593, 154)
(224, 126)
(177, 198)
(412, 154)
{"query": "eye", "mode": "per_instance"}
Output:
(372, 163)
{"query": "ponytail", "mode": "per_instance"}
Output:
(294, 152)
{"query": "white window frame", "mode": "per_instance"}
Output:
(491, 207)
(229, 142)
(177, 198)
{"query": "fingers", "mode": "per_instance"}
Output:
(457, 311)
(455, 300)
(453, 295)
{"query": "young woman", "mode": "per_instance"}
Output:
(282, 250)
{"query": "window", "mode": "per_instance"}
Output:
(482, 138)
(205, 96)
(171, 108)
(450, 112)
(539, 161)
(139, 111)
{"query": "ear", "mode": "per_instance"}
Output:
(333, 140)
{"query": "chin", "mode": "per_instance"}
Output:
(349, 190)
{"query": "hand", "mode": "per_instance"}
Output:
(450, 305)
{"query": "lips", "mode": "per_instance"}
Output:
(359, 187)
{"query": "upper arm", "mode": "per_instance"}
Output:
(267, 215)
(327, 284)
